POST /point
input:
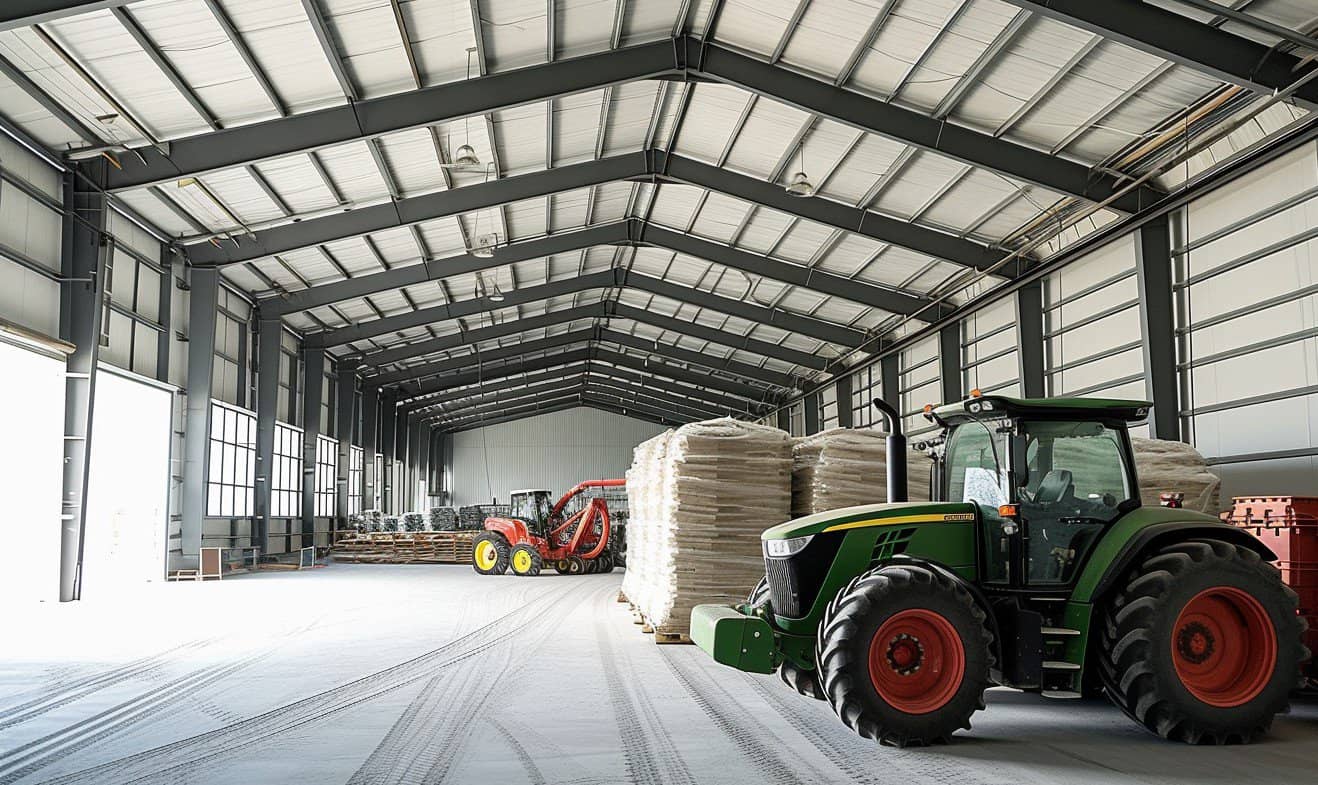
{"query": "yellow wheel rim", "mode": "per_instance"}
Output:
(522, 562)
(486, 555)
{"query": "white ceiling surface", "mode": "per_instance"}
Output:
(1049, 86)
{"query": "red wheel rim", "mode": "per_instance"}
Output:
(1224, 647)
(916, 661)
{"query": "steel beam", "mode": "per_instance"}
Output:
(1030, 340)
(83, 303)
(374, 117)
(203, 302)
(345, 410)
(598, 310)
(25, 13)
(845, 418)
(1158, 328)
(811, 403)
(56, 108)
(684, 57)
(413, 395)
(723, 64)
(733, 368)
(520, 413)
(165, 309)
(267, 407)
(890, 384)
(388, 421)
(1180, 39)
(581, 395)
(785, 419)
(649, 165)
(313, 389)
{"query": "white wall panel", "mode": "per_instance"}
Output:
(554, 451)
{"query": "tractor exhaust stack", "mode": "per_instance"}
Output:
(896, 451)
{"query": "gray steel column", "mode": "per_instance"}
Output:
(844, 413)
(1030, 340)
(388, 421)
(313, 389)
(83, 296)
(1158, 326)
(203, 299)
(785, 419)
(370, 443)
(345, 409)
(890, 382)
(812, 414)
(949, 362)
(267, 407)
(412, 468)
(165, 313)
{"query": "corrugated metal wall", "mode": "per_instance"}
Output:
(554, 451)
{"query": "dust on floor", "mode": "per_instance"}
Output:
(432, 674)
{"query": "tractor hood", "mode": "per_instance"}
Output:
(890, 514)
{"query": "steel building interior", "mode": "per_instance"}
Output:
(269, 268)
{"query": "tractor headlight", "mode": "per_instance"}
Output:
(780, 549)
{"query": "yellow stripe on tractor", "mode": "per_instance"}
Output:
(900, 519)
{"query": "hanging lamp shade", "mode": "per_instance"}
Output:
(485, 245)
(466, 157)
(800, 185)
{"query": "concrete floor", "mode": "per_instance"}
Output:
(420, 674)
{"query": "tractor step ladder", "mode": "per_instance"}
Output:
(1059, 632)
(1059, 666)
(1061, 694)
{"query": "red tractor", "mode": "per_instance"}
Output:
(535, 534)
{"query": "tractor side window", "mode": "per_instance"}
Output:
(976, 476)
(1078, 482)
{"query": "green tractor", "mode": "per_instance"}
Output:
(1037, 568)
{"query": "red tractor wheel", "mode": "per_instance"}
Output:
(1202, 644)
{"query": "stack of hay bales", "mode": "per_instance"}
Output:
(699, 506)
(843, 467)
(1168, 466)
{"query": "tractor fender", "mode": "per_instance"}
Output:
(990, 618)
(1162, 534)
(513, 530)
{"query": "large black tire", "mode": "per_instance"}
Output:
(605, 560)
(575, 565)
(886, 600)
(527, 559)
(803, 681)
(592, 566)
(759, 596)
(563, 567)
(1197, 670)
(500, 563)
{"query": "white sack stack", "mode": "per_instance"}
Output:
(845, 467)
(723, 482)
(1168, 466)
(646, 523)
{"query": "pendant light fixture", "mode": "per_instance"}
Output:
(799, 184)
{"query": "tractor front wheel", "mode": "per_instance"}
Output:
(1202, 645)
(563, 567)
(489, 554)
(525, 560)
(803, 681)
(904, 655)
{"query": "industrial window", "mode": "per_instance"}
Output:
(327, 468)
(355, 461)
(796, 418)
(920, 384)
(865, 387)
(828, 407)
(231, 474)
(286, 474)
(989, 360)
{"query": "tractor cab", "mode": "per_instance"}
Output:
(532, 507)
(1046, 477)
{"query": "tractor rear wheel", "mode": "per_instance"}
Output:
(1203, 644)
(489, 554)
(904, 655)
(525, 560)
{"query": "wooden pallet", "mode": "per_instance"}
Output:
(405, 548)
(662, 635)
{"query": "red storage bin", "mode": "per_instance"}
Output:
(1289, 526)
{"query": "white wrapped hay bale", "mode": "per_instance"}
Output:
(845, 467)
(722, 483)
(1167, 467)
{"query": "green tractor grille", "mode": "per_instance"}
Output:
(794, 581)
(890, 543)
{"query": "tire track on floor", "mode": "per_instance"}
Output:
(643, 767)
(158, 701)
(533, 772)
(63, 693)
(422, 747)
(748, 739)
(163, 763)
